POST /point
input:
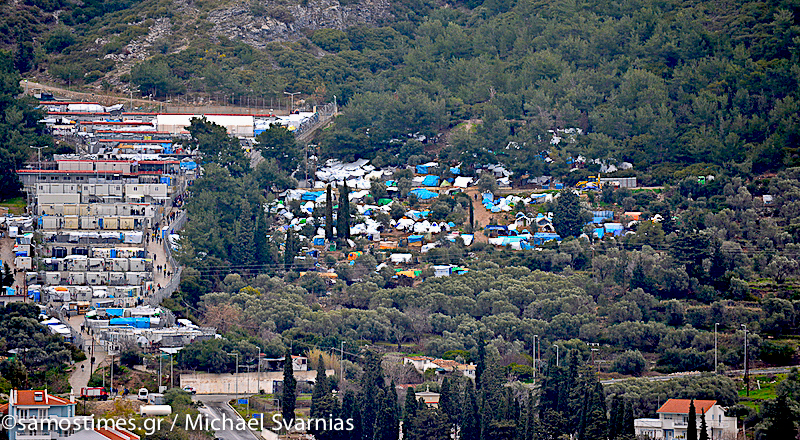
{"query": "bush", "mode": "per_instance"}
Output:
(129, 358)
(630, 363)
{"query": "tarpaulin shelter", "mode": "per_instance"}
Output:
(423, 194)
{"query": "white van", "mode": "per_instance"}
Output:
(143, 393)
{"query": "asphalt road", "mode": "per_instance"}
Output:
(216, 405)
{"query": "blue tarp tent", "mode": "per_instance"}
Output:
(414, 238)
(311, 196)
(423, 194)
(614, 228)
(123, 321)
(319, 241)
(600, 232)
(165, 179)
(541, 238)
(455, 170)
(191, 165)
(114, 312)
(422, 169)
(496, 228)
(431, 180)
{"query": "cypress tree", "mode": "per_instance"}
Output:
(328, 213)
(471, 422)
(691, 430)
(386, 425)
(290, 248)
(351, 410)
(409, 410)
(448, 401)
(263, 255)
(289, 389)
(628, 429)
(596, 421)
(615, 421)
(320, 389)
(343, 215)
(530, 418)
(703, 427)
(471, 215)
(372, 394)
(481, 366)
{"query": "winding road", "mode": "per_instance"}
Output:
(217, 408)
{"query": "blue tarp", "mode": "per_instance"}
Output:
(423, 194)
(132, 322)
(614, 228)
(114, 312)
(598, 220)
(414, 238)
(311, 196)
(35, 295)
(431, 180)
(422, 169)
(603, 214)
(451, 224)
(496, 228)
(10, 291)
(319, 241)
(600, 232)
(455, 170)
(164, 179)
(541, 238)
(188, 165)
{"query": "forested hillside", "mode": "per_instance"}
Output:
(660, 84)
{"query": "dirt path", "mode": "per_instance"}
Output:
(31, 87)
(7, 255)
(80, 376)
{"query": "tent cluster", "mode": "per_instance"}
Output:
(508, 203)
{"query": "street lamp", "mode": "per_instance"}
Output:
(291, 109)
(556, 346)
(237, 372)
(715, 346)
(746, 376)
(258, 372)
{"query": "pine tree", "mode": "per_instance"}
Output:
(471, 421)
(8, 275)
(289, 389)
(781, 419)
(328, 213)
(691, 430)
(704, 427)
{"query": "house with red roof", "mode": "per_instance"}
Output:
(42, 416)
(673, 421)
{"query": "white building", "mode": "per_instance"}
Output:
(673, 420)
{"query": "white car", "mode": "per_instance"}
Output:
(189, 389)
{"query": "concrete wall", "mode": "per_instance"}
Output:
(206, 383)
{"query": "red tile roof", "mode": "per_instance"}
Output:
(681, 406)
(117, 434)
(26, 397)
(4, 409)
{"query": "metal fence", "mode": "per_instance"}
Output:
(175, 281)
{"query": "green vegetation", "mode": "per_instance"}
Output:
(34, 357)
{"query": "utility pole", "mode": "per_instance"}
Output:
(715, 346)
(341, 365)
(746, 376)
(534, 358)
(258, 372)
